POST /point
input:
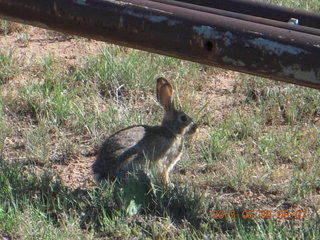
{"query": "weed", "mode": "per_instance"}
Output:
(24, 39)
(7, 69)
(212, 149)
(36, 144)
(4, 27)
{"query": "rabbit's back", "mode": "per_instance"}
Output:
(132, 146)
(116, 150)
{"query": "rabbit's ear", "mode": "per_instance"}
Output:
(164, 94)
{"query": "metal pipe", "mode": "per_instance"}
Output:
(241, 16)
(261, 9)
(258, 49)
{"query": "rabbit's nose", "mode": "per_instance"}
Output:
(193, 128)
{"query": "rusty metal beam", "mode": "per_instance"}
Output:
(204, 37)
(266, 21)
(261, 9)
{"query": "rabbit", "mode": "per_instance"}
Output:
(134, 146)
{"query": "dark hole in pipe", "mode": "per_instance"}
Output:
(208, 45)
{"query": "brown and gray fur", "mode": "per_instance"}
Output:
(134, 146)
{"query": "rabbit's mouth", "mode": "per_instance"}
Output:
(192, 128)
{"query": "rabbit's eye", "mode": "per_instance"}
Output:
(183, 118)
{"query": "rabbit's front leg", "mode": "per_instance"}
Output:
(166, 179)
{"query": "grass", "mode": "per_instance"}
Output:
(41, 207)
(309, 5)
(257, 150)
(4, 27)
(8, 69)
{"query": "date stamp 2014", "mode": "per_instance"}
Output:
(260, 214)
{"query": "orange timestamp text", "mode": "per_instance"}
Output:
(260, 214)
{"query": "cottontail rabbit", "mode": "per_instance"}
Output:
(160, 145)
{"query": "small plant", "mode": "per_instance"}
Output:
(4, 27)
(24, 39)
(213, 148)
(5, 130)
(4, 133)
(133, 195)
(37, 144)
(7, 68)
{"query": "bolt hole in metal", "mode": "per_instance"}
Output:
(209, 46)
